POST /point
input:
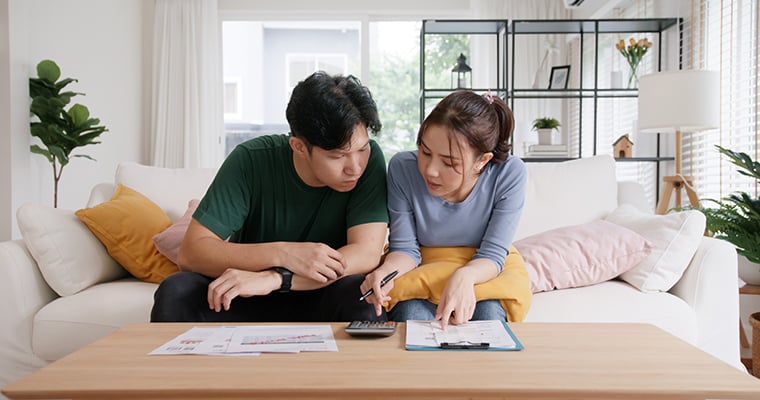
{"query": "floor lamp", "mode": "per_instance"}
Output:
(678, 101)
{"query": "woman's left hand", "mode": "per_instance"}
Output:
(457, 303)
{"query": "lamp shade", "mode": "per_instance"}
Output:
(682, 100)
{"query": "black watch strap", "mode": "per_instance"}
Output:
(287, 279)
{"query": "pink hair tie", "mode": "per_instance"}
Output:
(488, 97)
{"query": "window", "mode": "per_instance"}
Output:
(232, 103)
(264, 60)
(725, 37)
(301, 65)
(270, 58)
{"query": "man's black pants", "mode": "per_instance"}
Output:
(182, 297)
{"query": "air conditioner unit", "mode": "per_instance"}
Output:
(573, 3)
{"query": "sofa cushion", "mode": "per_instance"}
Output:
(567, 193)
(126, 225)
(68, 255)
(616, 301)
(675, 238)
(169, 188)
(69, 323)
(580, 255)
(169, 241)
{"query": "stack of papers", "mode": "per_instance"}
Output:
(250, 340)
(474, 335)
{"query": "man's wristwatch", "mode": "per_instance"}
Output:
(287, 278)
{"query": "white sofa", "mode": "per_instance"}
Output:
(39, 326)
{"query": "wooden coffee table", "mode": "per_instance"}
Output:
(560, 360)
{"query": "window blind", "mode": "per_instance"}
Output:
(725, 38)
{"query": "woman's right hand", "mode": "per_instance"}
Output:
(372, 281)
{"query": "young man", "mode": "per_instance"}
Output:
(290, 224)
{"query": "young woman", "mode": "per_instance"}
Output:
(454, 207)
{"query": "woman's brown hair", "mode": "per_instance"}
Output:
(485, 121)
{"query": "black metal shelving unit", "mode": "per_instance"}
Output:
(585, 91)
(494, 28)
(506, 33)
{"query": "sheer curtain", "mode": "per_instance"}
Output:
(187, 123)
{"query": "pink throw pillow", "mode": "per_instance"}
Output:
(581, 255)
(168, 241)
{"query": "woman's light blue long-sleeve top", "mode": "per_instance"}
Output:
(487, 219)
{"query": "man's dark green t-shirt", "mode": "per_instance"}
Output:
(257, 197)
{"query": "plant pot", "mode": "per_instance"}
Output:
(544, 136)
(748, 271)
(754, 320)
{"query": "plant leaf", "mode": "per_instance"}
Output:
(48, 70)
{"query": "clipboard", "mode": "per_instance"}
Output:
(489, 335)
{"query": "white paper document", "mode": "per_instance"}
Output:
(476, 335)
(250, 340)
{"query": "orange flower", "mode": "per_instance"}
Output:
(633, 54)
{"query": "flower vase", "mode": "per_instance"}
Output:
(633, 76)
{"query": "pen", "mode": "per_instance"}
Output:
(382, 283)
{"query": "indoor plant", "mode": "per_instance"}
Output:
(544, 126)
(59, 129)
(736, 219)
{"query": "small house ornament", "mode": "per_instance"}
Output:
(623, 147)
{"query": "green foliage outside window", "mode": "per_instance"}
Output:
(395, 86)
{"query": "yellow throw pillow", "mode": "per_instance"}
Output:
(511, 287)
(126, 225)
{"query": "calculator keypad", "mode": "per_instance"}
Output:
(371, 328)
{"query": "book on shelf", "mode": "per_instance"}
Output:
(547, 147)
(546, 154)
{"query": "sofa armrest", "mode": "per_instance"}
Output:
(710, 286)
(23, 292)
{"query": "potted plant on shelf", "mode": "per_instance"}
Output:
(60, 130)
(544, 126)
(736, 219)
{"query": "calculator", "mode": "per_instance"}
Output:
(371, 328)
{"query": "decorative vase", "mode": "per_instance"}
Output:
(544, 136)
(633, 76)
(749, 271)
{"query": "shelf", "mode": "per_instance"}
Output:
(547, 159)
(456, 27)
(654, 25)
(536, 27)
(551, 93)
(644, 159)
(586, 103)
(493, 36)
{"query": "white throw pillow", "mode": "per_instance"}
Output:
(567, 193)
(674, 237)
(169, 188)
(69, 256)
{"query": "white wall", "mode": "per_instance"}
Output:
(5, 136)
(102, 44)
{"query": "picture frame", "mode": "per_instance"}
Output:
(559, 77)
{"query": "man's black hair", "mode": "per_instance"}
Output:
(324, 110)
